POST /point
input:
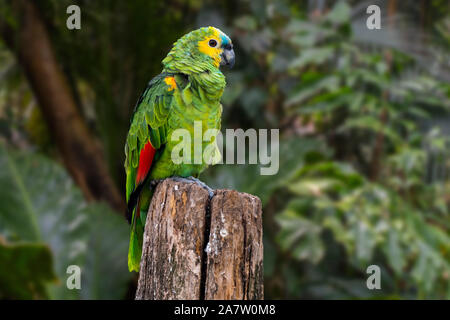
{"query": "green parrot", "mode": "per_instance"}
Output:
(187, 90)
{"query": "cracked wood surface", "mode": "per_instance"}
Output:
(200, 248)
(235, 250)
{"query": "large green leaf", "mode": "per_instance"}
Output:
(300, 235)
(106, 274)
(25, 270)
(40, 204)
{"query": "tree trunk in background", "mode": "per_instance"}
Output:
(197, 248)
(80, 150)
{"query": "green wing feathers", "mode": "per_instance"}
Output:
(148, 123)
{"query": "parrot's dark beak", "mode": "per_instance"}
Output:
(227, 56)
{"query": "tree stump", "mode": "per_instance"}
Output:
(200, 248)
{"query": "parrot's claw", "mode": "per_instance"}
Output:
(198, 182)
(203, 185)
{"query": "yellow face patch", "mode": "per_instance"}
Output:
(170, 81)
(214, 53)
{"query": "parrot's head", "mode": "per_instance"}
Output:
(200, 50)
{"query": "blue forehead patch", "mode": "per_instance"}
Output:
(225, 39)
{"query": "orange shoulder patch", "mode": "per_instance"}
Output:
(170, 81)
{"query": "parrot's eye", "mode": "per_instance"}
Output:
(212, 43)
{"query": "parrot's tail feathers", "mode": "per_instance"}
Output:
(132, 202)
(135, 248)
(134, 254)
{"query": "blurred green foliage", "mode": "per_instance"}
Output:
(46, 226)
(24, 271)
(364, 161)
(358, 191)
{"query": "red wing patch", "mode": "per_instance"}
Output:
(145, 162)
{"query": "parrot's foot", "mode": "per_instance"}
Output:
(198, 182)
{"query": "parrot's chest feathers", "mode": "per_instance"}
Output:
(199, 100)
(209, 85)
(196, 110)
(196, 105)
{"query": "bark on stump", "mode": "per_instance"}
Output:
(200, 248)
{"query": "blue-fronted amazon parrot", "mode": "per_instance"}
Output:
(188, 89)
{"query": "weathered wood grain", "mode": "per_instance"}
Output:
(200, 248)
(173, 242)
(235, 248)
